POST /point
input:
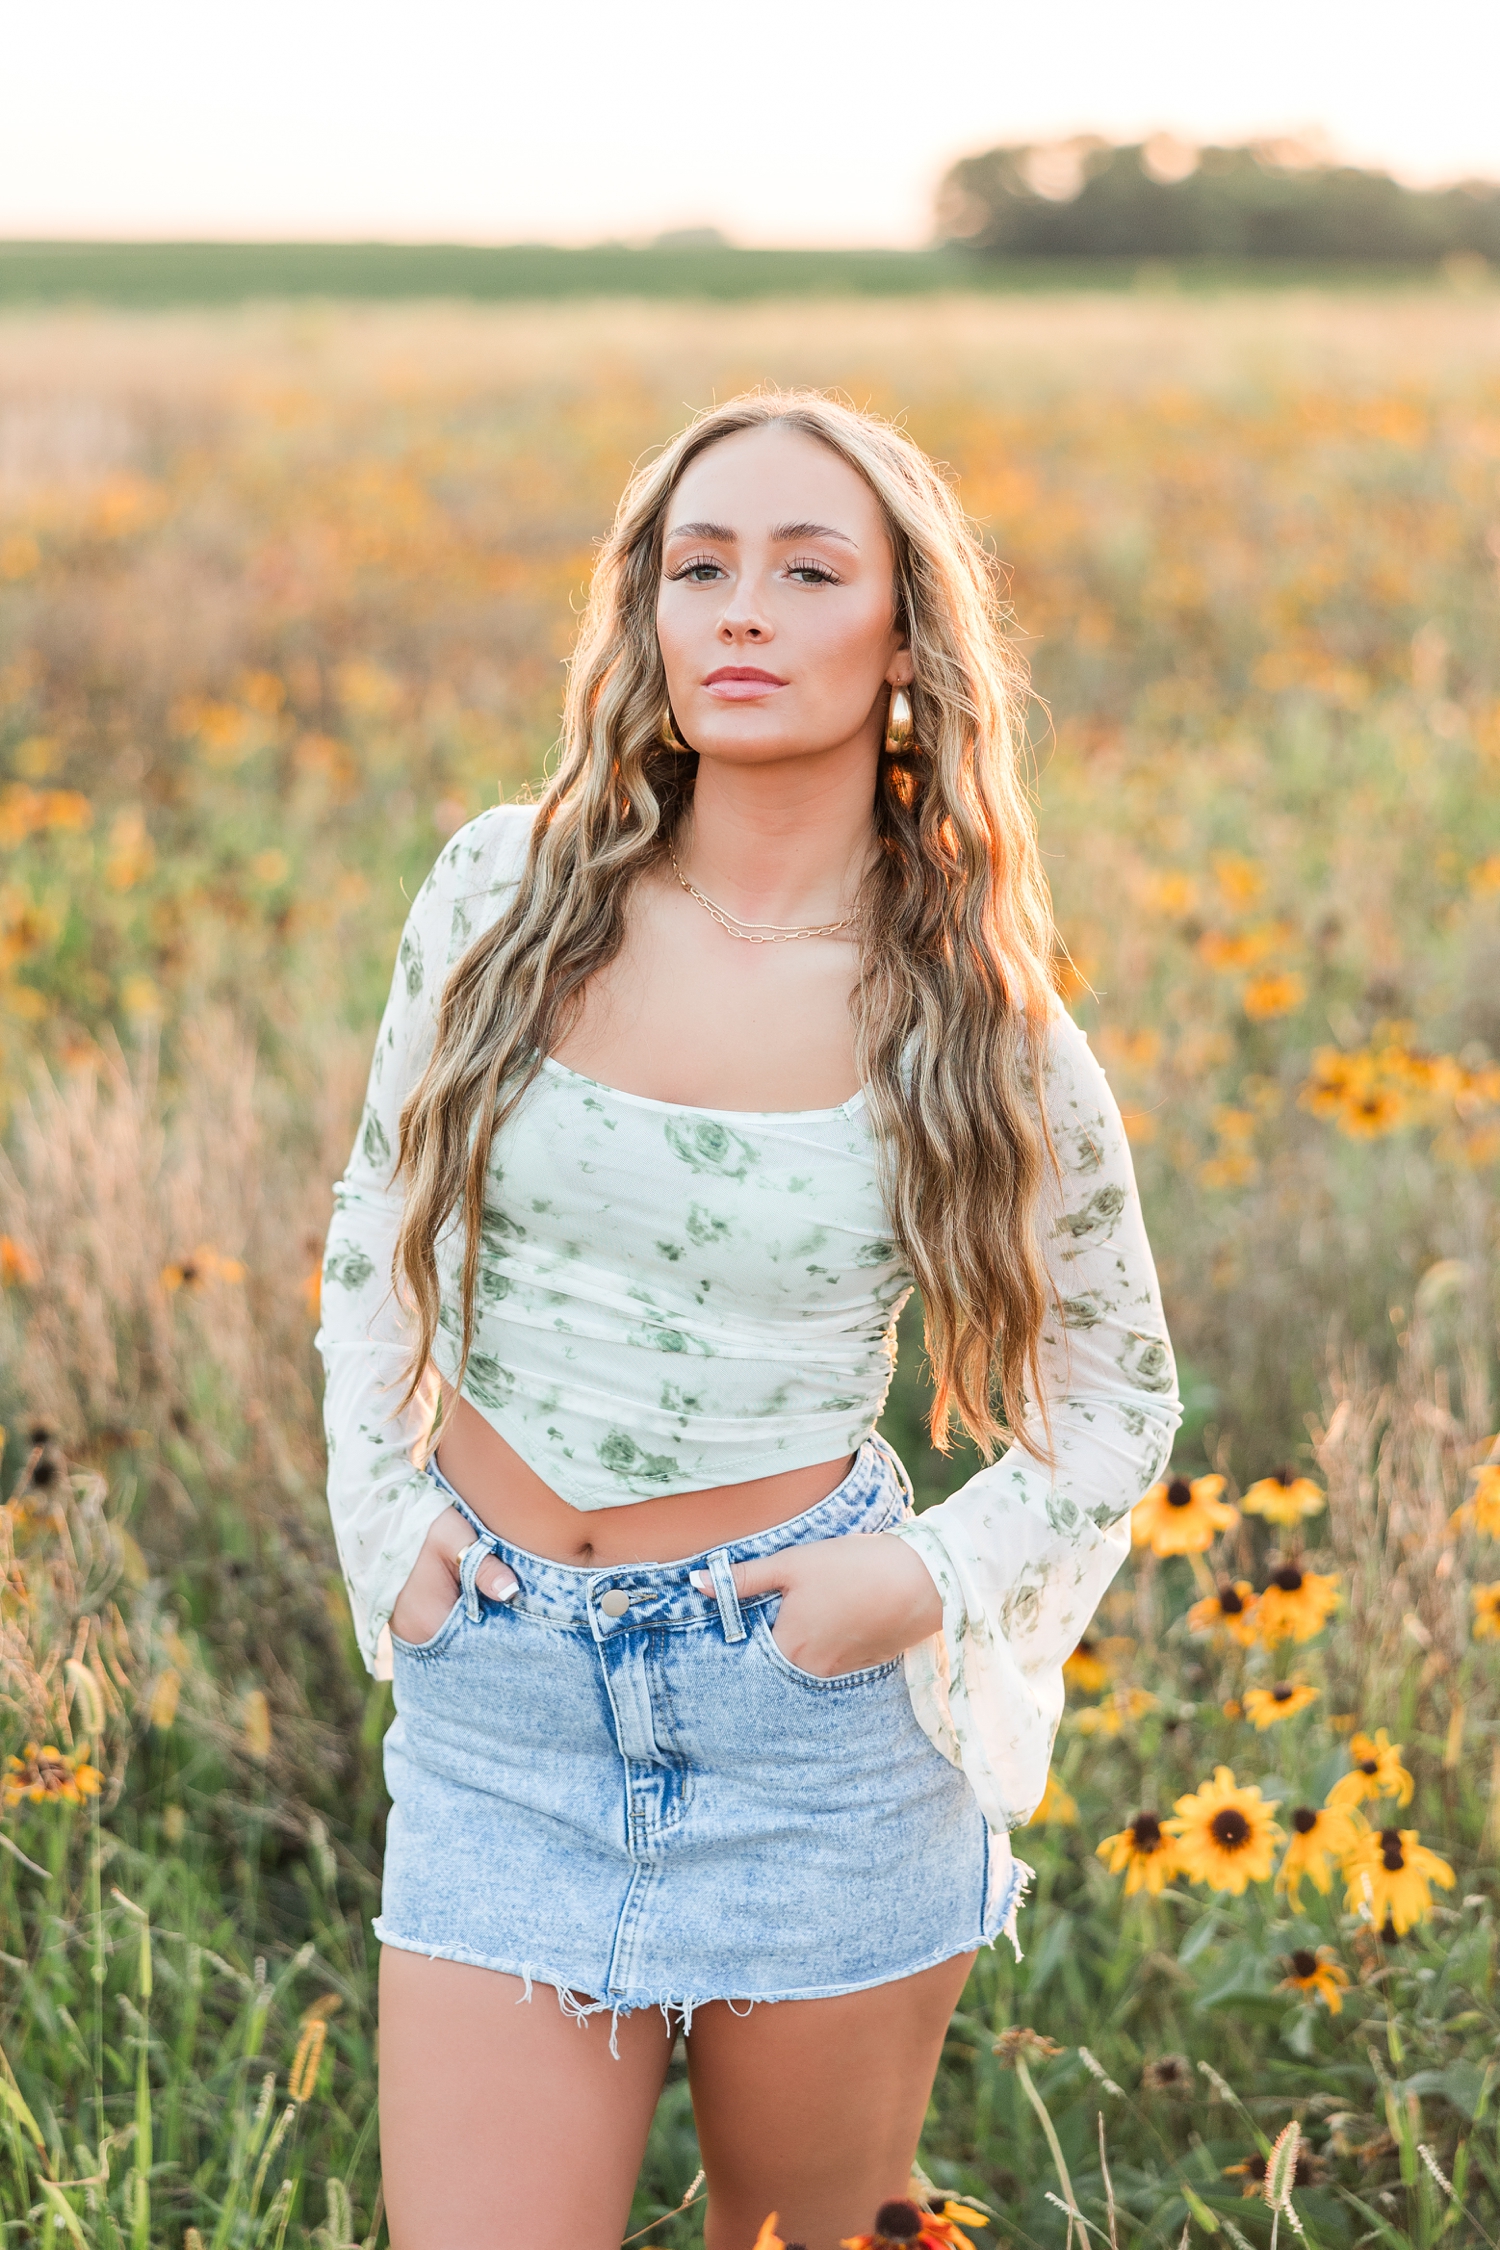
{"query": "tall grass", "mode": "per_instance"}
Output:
(282, 599)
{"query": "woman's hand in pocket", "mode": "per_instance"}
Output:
(432, 1589)
(845, 1603)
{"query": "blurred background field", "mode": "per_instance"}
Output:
(285, 596)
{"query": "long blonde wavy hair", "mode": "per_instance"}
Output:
(956, 928)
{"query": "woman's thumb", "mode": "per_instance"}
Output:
(496, 1580)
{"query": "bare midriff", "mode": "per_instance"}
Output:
(517, 1506)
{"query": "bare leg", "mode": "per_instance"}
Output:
(502, 2122)
(813, 2108)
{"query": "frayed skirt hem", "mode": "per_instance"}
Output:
(580, 2006)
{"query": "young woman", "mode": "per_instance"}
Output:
(688, 1074)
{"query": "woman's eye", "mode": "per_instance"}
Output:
(812, 573)
(700, 572)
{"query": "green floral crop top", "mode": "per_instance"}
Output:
(672, 1299)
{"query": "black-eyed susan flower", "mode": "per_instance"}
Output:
(1332, 1074)
(200, 1266)
(1486, 1600)
(1143, 1852)
(1307, 2170)
(1120, 1710)
(1231, 1610)
(1377, 1771)
(1319, 1835)
(1273, 993)
(1057, 1809)
(1225, 1834)
(1481, 1511)
(1391, 1872)
(1086, 1669)
(1182, 1516)
(1284, 1498)
(1265, 1706)
(1317, 1976)
(42, 1774)
(1168, 2074)
(1370, 1110)
(1295, 1604)
(903, 2225)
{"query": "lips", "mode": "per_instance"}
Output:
(730, 674)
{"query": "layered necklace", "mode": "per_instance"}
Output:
(775, 933)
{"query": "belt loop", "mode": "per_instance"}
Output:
(468, 1577)
(730, 1614)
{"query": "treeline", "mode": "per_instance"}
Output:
(1161, 199)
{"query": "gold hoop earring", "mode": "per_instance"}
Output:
(669, 735)
(900, 729)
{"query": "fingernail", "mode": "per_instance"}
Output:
(505, 1593)
(702, 1580)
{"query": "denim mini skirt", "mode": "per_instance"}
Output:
(620, 1787)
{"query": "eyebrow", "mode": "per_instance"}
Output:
(782, 534)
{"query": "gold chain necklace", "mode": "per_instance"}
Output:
(786, 933)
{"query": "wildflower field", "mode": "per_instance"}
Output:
(284, 598)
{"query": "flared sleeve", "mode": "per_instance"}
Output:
(1022, 1553)
(381, 1501)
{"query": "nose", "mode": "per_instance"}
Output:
(743, 618)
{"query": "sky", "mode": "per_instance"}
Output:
(786, 121)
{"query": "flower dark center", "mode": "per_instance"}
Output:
(1368, 1765)
(1304, 1964)
(1281, 1693)
(1286, 1476)
(38, 1434)
(43, 1474)
(1304, 1820)
(1288, 1579)
(1230, 1829)
(1231, 1603)
(1179, 1493)
(898, 2222)
(1146, 1830)
(1390, 1849)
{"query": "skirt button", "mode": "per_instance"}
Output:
(614, 1603)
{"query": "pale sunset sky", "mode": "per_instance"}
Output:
(789, 121)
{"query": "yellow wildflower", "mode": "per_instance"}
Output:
(1125, 1705)
(1086, 1669)
(1232, 1608)
(1057, 1808)
(1283, 1498)
(1265, 1706)
(1391, 1871)
(1178, 1517)
(1318, 1975)
(1320, 1835)
(1144, 1853)
(1295, 1604)
(1225, 1834)
(1486, 1601)
(1377, 1772)
(43, 1774)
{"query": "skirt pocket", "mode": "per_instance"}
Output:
(868, 1675)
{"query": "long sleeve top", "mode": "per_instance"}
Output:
(749, 1249)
